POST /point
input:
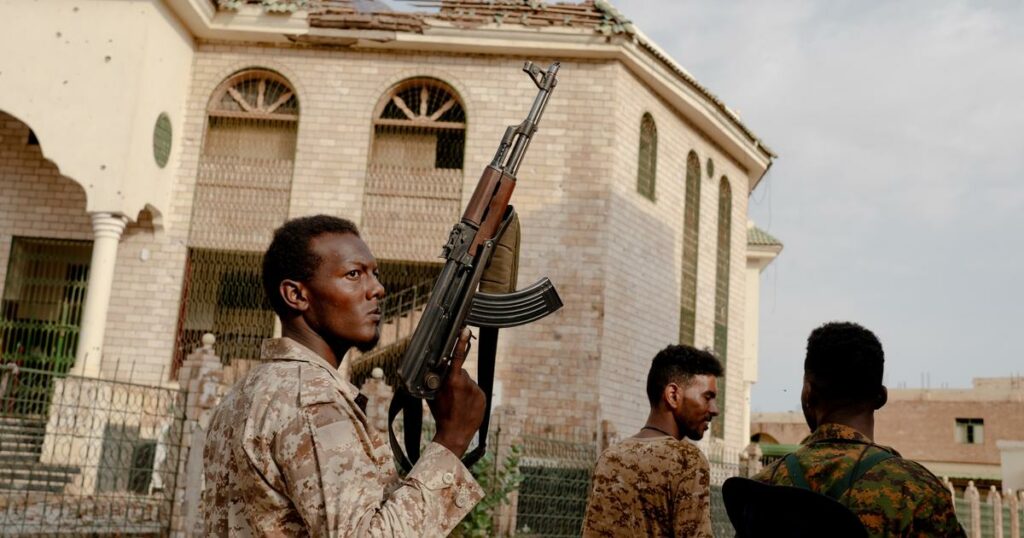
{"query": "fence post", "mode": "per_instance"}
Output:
(750, 460)
(201, 376)
(378, 396)
(1014, 506)
(996, 501)
(509, 433)
(974, 502)
(609, 436)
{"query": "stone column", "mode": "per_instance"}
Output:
(750, 460)
(202, 376)
(107, 228)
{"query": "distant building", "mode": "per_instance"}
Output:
(953, 432)
(963, 434)
(785, 428)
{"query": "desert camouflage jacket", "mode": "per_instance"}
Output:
(289, 453)
(896, 497)
(655, 486)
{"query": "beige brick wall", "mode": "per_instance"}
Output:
(560, 189)
(644, 255)
(925, 430)
(614, 255)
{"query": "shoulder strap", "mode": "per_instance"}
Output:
(796, 471)
(799, 477)
(863, 465)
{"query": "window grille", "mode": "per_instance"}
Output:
(691, 236)
(415, 173)
(43, 297)
(225, 297)
(243, 190)
(648, 157)
(970, 431)
(722, 271)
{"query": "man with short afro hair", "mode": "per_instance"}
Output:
(842, 389)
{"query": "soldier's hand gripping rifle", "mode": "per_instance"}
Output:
(457, 300)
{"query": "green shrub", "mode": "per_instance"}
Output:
(498, 482)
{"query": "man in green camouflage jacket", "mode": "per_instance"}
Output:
(842, 389)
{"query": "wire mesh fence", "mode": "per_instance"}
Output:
(962, 507)
(87, 457)
(724, 463)
(556, 471)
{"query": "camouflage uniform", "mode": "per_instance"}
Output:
(896, 497)
(289, 453)
(655, 486)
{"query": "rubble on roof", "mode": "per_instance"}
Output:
(598, 15)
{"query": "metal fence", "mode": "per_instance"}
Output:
(556, 481)
(88, 457)
(556, 472)
(724, 464)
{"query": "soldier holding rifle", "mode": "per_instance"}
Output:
(289, 451)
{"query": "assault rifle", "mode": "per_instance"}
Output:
(456, 300)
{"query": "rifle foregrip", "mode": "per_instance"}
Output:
(503, 310)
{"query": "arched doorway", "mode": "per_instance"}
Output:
(45, 254)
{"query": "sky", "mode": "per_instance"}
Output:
(897, 192)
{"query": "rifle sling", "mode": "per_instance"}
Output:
(486, 354)
(412, 409)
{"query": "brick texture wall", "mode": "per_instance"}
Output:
(644, 259)
(926, 430)
(613, 254)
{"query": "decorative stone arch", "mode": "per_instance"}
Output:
(763, 437)
(210, 89)
(40, 142)
(44, 265)
(414, 175)
(272, 96)
(370, 109)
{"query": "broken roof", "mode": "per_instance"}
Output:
(599, 16)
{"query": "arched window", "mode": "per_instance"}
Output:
(414, 176)
(722, 271)
(647, 165)
(691, 236)
(242, 193)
